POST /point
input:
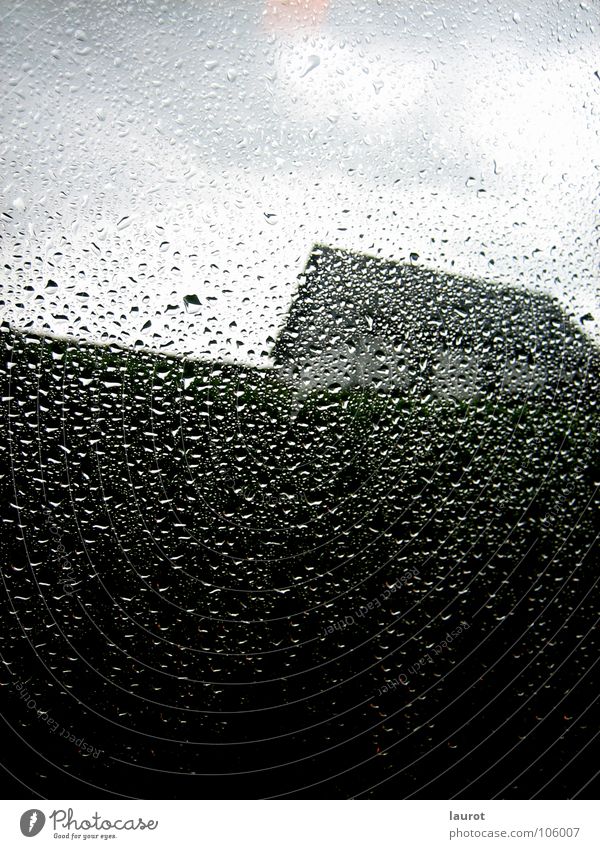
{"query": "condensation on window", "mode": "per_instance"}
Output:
(299, 459)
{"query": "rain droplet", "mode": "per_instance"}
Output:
(313, 62)
(192, 304)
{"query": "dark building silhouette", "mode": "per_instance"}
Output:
(359, 320)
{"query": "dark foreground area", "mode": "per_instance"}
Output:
(213, 589)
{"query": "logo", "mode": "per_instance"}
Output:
(32, 822)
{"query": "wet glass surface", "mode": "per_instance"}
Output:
(298, 455)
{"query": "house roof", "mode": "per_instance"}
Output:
(359, 306)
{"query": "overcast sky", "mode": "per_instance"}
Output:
(155, 150)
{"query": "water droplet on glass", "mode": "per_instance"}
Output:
(313, 62)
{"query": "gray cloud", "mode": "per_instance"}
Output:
(152, 152)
